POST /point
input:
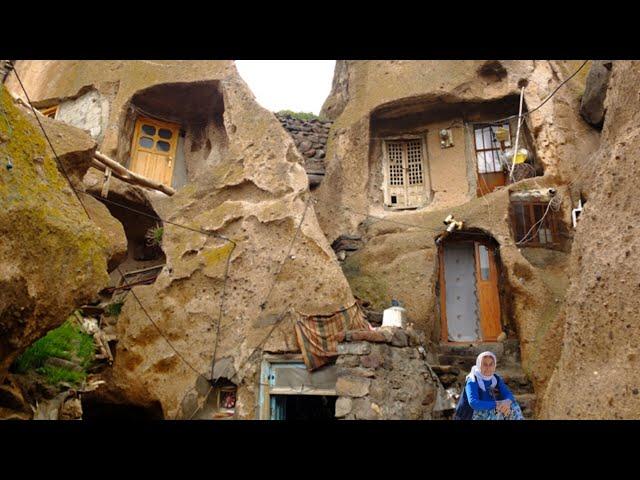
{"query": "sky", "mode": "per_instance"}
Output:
(298, 85)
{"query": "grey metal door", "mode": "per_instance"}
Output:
(460, 289)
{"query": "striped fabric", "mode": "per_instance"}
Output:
(318, 336)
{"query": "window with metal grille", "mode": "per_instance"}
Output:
(487, 147)
(534, 223)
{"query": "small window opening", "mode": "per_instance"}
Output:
(49, 111)
(534, 223)
(225, 394)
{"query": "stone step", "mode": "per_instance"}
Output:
(442, 369)
(516, 380)
(527, 403)
(509, 348)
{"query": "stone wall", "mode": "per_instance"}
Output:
(310, 137)
(382, 375)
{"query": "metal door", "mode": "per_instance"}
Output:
(461, 301)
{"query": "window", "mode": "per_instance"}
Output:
(225, 394)
(404, 171)
(487, 147)
(534, 223)
(49, 111)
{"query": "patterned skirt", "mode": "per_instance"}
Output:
(514, 414)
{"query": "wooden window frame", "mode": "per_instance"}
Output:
(551, 222)
(49, 112)
(426, 172)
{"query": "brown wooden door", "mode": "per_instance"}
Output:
(487, 290)
(154, 149)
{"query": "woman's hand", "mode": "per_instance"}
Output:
(504, 407)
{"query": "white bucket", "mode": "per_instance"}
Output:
(393, 317)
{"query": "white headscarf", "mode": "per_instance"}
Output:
(475, 375)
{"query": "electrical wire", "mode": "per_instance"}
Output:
(63, 170)
(529, 112)
(234, 244)
(60, 165)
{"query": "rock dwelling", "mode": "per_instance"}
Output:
(235, 264)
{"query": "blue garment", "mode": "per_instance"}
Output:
(515, 413)
(485, 399)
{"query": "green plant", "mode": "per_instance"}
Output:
(55, 375)
(299, 115)
(68, 342)
(113, 309)
(154, 236)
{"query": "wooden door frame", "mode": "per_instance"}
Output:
(444, 329)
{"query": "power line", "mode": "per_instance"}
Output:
(158, 328)
(61, 166)
(529, 112)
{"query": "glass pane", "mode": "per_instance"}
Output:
(520, 219)
(478, 132)
(487, 137)
(163, 146)
(296, 376)
(165, 133)
(148, 130)
(146, 142)
(544, 235)
(508, 142)
(482, 166)
(491, 161)
(484, 262)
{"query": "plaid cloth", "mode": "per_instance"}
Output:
(318, 335)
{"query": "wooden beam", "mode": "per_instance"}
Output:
(105, 185)
(130, 177)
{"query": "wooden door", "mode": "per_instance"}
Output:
(487, 289)
(154, 149)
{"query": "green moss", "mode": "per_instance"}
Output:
(364, 286)
(39, 201)
(114, 309)
(68, 342)
(216, 255)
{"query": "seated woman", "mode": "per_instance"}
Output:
(485, 395)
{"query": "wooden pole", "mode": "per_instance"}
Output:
(515, 150)
(105, 185)
(130, 177)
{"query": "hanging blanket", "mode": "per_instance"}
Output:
(318, 335)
